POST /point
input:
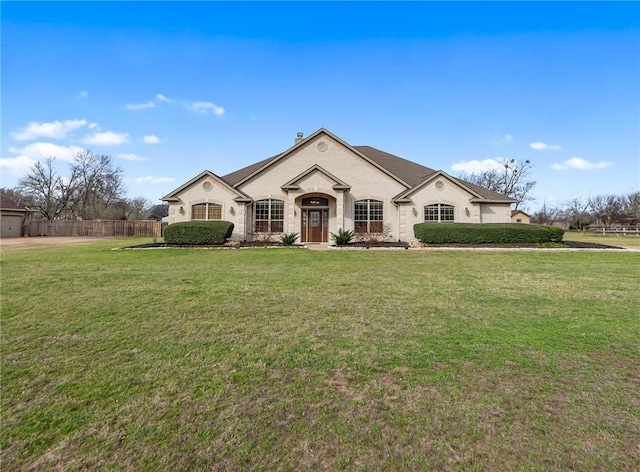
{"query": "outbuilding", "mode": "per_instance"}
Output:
(13, 217)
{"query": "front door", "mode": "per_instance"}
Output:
(315, 226)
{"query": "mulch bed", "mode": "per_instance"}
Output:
(566, 244)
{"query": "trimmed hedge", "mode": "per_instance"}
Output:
(486, 233)
(198, 232)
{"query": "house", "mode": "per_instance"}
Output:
(519, 216)
(156, 213)
(13, 218)
(322, 184)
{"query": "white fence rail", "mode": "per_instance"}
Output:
(618, 231)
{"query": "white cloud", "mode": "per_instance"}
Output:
(508, 137)
(206, 107)
(162, 98)
(17, 165)
(152, 179)
(475, 166)
(38, 151)
(139, 106)
(53, 129)
(83, 94)
(132, 157)
(581, 164)
(107, 138)
(150, 139)
(93, 126)
(538, 146)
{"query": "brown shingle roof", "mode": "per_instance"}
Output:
(236, 176)
(409, 172)
(405, 170)
(7, 203)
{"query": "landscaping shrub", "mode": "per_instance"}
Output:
(342, 237)
(289, 239)
(486, 233)
(198, 232)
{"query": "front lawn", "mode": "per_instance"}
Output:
(592, 237)
(291, 359)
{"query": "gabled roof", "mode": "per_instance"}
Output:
(515, 212)
(480, 194)
(7, 203)
(156, 212)
(410, 174)
(173, 196)
(293, 184)
(238, 177)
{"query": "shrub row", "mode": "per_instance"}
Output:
(198, 232)
(486, 233)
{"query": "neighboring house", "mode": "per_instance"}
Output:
(519, 216)
(322, 184)
(156, 213)
(13, 218)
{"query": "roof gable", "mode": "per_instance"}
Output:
(243, 175)
(173, 196)
(479, 194)
(294, 184)
(408, 173)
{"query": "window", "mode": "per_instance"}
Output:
(368, 216)
(269, 216)
(438, 213)
(206, 211)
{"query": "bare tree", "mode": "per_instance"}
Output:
(52, 194)
(512, 179)
(17, 196)
(100, 185)
(134, 208)
(546, 215)
(606, 209)
(575, 211)
(631, 208)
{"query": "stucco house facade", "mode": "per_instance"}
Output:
(519, 216)
(322, 184)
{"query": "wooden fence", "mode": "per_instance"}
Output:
(94, 228)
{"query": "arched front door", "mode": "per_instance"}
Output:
(315, 220)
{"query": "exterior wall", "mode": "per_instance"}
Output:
(219, 194)
(366, 182)
(523, 217)
(495, 213)
(440, 190)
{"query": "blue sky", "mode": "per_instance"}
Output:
(169, 89)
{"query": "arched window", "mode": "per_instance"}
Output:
(438, 213)
(206, 211)
(269, 216)
(368, 216)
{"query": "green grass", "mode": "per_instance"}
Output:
(291, 359)
(591, 237)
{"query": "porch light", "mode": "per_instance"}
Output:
(415, 212)
(181, 210)
(232, 211)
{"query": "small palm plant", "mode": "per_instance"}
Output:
(289, 239)
(342, 237)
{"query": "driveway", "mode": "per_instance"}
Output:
(39, 241)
